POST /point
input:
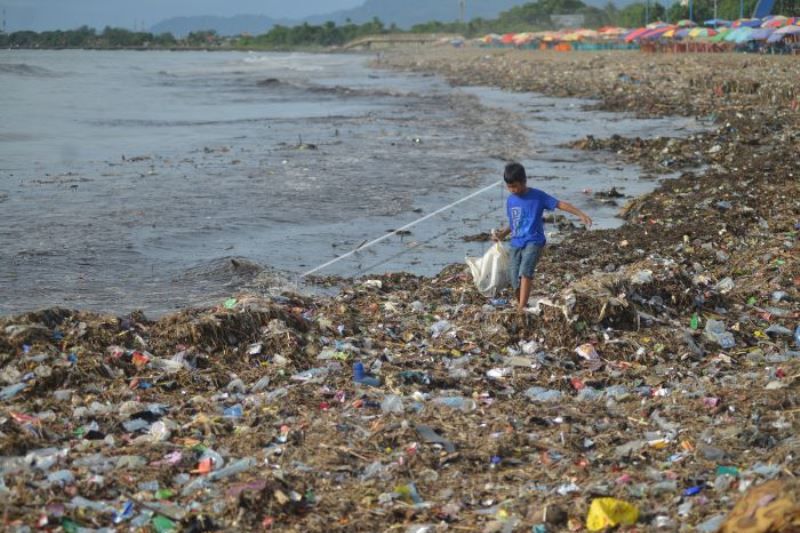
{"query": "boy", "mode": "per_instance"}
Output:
(524, 209)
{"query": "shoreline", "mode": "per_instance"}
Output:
(661, 352)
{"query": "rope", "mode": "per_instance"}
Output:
(382, 262)
(404, 228)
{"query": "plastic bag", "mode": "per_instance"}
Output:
(490, 272)
(609, 512)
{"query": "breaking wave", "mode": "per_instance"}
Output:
(23, 69)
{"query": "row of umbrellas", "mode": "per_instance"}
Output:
(770, 29)
(581, 34)
(739, 31)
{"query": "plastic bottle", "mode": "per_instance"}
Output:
(457, 402)
(9, 392)
(237, 467)
(234, 411)
(61, 477)
(358, 371)
(539, 394)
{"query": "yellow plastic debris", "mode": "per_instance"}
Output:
(609, 512)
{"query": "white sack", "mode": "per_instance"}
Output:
(490, 272)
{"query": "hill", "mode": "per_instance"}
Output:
(403, 13)
(236, 25)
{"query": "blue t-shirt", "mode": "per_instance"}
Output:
(525, 216)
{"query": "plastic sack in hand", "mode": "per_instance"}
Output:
(490, 272)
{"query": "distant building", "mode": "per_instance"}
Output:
(568, 21)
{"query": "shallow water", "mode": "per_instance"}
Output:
(129, 180)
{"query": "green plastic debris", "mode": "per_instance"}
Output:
(162, 524)
(751, 300)
(727, 471)
(164, 494)
(69, 526)
(230, 303)
(695, 321)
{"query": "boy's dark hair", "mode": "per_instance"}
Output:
(515, 173)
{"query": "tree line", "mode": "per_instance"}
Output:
(534, 16)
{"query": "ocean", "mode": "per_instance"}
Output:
(156, 180)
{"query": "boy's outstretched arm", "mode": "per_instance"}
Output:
(569, 208)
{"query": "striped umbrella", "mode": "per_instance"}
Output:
(701, 33)
(652, 35)
(634, 35)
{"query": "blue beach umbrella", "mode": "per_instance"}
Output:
(746, 23)
(761, 34)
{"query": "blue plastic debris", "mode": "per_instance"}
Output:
(693, 491)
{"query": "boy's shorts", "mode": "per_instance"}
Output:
(523, 262)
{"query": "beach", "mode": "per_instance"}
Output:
(658, 365)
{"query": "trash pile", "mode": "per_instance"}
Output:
(652, 385)
(652, 394)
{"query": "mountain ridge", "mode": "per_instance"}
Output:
(403, 13)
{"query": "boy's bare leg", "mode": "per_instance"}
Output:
(524, 291)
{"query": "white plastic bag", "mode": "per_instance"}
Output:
(490, 272)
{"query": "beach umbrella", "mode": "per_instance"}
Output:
(550, 36)
(508, 38)
(635, 34)
(670, 33)
(683, 33)
(733, 34)
(522, 38)
(740, 35)
(655, 25)
(761, 34)
(775, 21)
(652, 35)
(685, 23)
(780, 33)
(717, 22)
(587, 33)
(610, 31)
(720, 36)
(701, 33)
(746, 23)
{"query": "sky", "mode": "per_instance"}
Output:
(39, 15)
